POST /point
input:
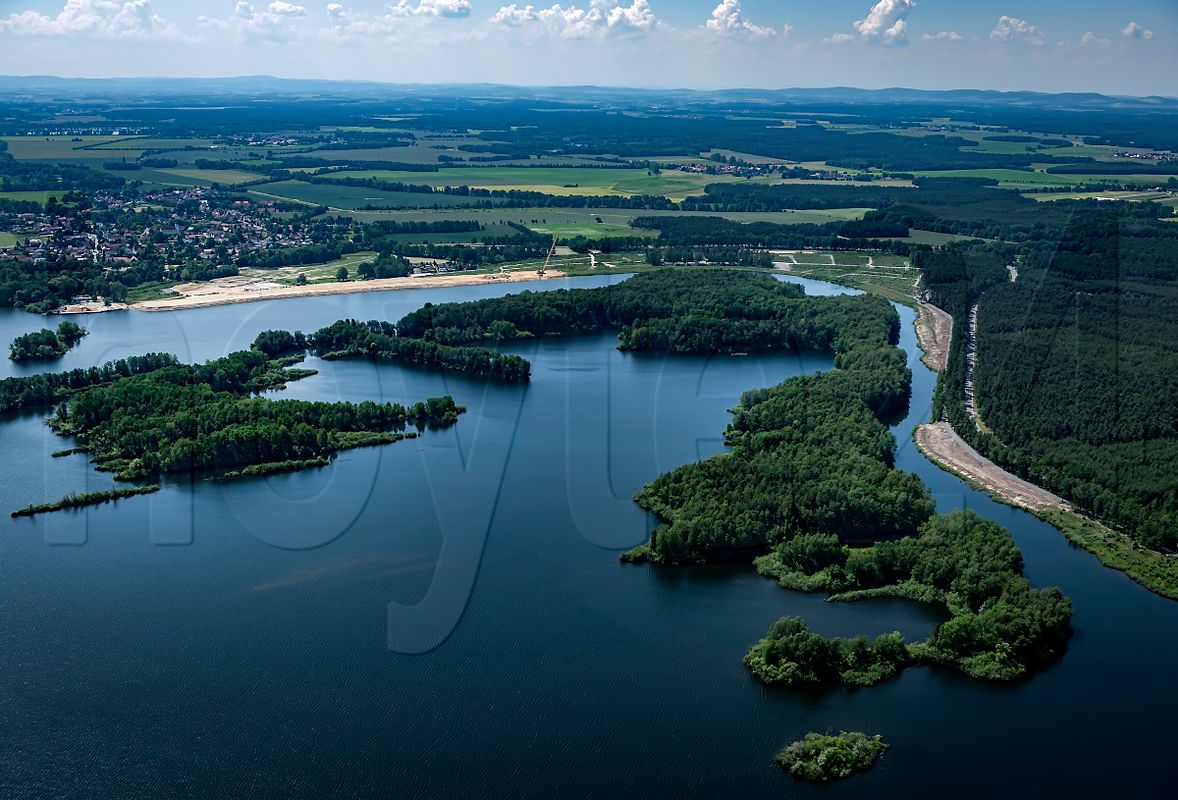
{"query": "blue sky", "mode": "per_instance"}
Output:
(1123, 47)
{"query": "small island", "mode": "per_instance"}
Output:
(148, 418)
(84, 499)
(823, 758)
(46, 344)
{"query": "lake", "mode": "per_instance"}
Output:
(447, 617)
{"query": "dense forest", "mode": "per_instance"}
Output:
(1076, 380)
(47, 389)
(378, 341)
(191, 419)
(46, 344)
(1001, 628)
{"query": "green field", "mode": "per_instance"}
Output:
(63, 148)
(350, 198)
(936, 239)
(8, 240)
(584, 217)
(209, 176)
(1005, 177)
(316, 273)
(1130, 196)
(37, 196)
(891, 276)
(594, 230)
(152, 143)
(673, 184)
(1015, 178)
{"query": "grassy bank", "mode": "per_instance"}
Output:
(84, 499)
(1155, 571)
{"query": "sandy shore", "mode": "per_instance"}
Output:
(934, 330)
(941, 444)
(949, 451)
(225, 291)
(91, 308)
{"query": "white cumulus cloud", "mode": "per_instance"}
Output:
(942, 36)
(451, 9)
(1136, 31)
(728, 19)
(601, 18)
(838, 38)
(1013, 29)
(887, 22)
(278, 21)
(403, 18)
(107, 19)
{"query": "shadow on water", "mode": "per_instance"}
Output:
(251, 655)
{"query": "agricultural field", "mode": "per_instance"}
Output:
(587, 217)
(412, 154)
(1015, 178)
(937, 239)
(561, 181)
(36, 196)
(230, 177)
(571, 230)
(8, 240)
(350, 198)
(1136, 197)
(1006, 177)
(151, 143)
(63, 148)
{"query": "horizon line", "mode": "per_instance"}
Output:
(572, 86)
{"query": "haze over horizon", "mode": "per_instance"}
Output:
(1036, 45)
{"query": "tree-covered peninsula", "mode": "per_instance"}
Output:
(808, 489)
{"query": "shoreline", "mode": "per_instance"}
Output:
(205, 295)
(934, 332)
(941, 445)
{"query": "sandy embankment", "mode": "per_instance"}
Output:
(224, 291)
(934, 330)
(941, 444)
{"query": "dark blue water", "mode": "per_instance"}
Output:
(448, 618)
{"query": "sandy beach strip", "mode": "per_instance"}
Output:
(228, 291)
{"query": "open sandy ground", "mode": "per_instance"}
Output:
(941, 444)
(934, 329)
(944, 447)
(224, 291)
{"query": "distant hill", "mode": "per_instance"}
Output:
(838, 95)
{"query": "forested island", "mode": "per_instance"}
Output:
(820, 758)
(151, 418)
(46, 344)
